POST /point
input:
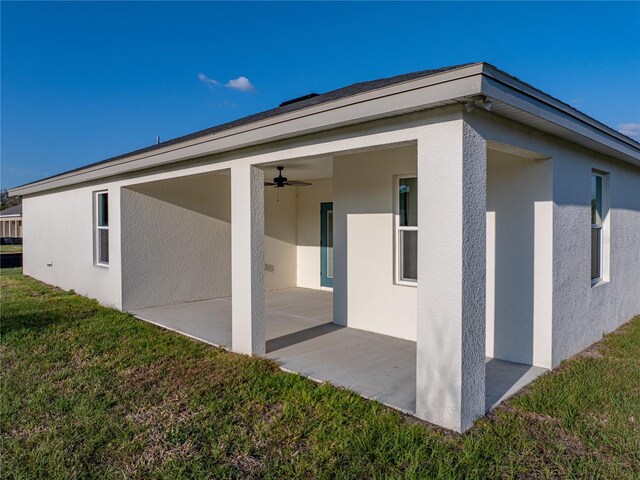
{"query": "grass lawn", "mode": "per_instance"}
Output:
(91, 392)
(10, 248)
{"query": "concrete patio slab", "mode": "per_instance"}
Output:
(302, 339)
(205, 320)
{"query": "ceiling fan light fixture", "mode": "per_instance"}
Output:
(281, 181)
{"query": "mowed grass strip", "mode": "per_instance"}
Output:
(90, 392)
(10, 248)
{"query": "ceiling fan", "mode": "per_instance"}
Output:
(281, 181)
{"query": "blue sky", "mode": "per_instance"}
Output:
(85, 81)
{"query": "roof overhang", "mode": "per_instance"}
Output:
(522, 102)
(512, 98)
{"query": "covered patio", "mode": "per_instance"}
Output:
(302, 339)
(390, 339)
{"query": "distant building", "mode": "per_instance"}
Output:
(11, 222)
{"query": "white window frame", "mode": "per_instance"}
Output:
(398, 232)
(97, 227)
(603, 226)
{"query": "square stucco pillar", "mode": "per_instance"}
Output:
(450, 374)
(247, 262)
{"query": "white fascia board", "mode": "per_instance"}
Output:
(498, 86)
(384, 102)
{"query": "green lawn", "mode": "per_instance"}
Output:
(89, 392)
(10, 248)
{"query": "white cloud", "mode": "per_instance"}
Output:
(630, 130)
(210, 81)
(241, 83)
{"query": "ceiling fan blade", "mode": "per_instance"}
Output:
(269, 184)
(296, 183)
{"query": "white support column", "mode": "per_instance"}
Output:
(450, 375)
(247, 262)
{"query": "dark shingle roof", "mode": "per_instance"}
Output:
(15, 210)
(343, 92)
(313, 99)
(337, 94)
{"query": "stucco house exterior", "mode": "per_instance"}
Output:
(462, 231)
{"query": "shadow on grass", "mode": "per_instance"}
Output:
(29, 305)
(40, 320)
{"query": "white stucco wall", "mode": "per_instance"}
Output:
(450, 353)
(59, 231)
(308, 230)
(519, 223)
(365, 293)
(176, 241)
(582, 313)
(248, 322)
(280, 249)
(62, 214)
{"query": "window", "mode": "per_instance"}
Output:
(102, 228)
(407, 228)
(599, 234)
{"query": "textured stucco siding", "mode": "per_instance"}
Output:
(450, 367)
(176, 241)
(519, 258)
(582, 313)
(248, 325)
(366, 295)
(280, 243)
(67, 214)
(59, 243)
(473, 275)
(365, 292)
